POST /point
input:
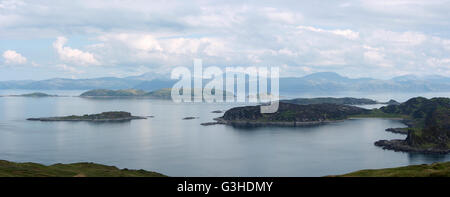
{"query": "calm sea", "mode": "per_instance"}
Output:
(176, 147)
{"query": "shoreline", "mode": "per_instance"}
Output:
(398, 145)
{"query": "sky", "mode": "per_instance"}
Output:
(85, 39)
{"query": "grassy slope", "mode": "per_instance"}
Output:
(424, 170)
(12, 169)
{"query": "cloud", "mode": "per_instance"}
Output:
(12, 57)
(347, 33)
(397, 38)
(74, 56)
(283, 16)
(363, 38)
(146, 47)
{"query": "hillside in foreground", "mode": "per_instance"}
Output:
(12, 169)
(424, 170)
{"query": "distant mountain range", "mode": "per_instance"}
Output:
(317, 82)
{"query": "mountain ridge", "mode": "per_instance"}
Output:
(315, 82)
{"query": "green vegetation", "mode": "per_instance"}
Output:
(12, 169)
(291, 113)
(430, 122)
(424, 170)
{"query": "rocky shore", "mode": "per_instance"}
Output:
(403, 146)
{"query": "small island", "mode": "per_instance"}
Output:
(190, 118)
(102, 117)
(35, 94)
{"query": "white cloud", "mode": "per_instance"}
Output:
(12, 57)
(370, 37)
(11, 4)
(144, 42)
(74, 56)
(376, 56)
(347, 33)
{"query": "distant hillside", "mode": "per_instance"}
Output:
(164, 93)
(322, 82)
(327, 82)
(154, 85)
(331, 100)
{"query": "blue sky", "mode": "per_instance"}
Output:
(84, 39)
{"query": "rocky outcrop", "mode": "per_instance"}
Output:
(428, 122)
(403, 146)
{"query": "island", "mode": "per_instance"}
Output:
(34, 94)
(190, 118)
(427, 120)
(288, 114)
(102, 117)
(13, 169)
